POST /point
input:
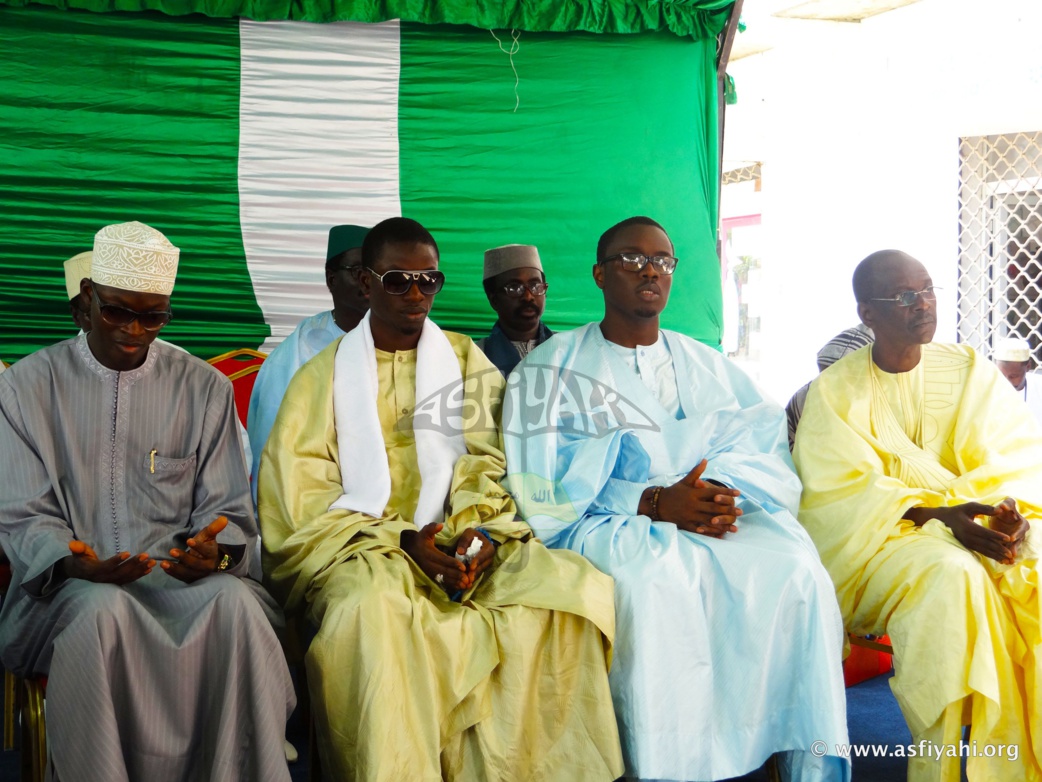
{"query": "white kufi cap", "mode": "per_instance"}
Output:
(76, 268)
(510, 257)
(1012, 349)
(134, 257)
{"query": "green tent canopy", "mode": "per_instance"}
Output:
(243, 131)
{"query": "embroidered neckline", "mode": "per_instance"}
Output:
(130, 375)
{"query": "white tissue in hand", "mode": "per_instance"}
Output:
(471, 552)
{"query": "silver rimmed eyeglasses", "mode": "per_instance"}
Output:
(516, 290)
(908, 298)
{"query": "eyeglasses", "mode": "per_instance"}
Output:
(354, 269)
(516, 290)
(908, 298)
(635, 262)
(398, 283)
(121, 316)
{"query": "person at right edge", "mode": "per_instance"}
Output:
(922, 471)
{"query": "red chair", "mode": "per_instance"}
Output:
(10, 680)
(870, 656)
(25, 696)
(241, 367)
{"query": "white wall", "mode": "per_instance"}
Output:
(857, 126)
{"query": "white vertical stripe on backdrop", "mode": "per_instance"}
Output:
(318, 146)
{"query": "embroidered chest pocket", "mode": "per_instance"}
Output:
(170, 487)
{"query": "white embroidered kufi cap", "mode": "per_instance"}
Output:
(1012, 349)
(134, 257)
(76, 268)
(510, 257)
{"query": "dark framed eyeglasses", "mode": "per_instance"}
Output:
(908, 298)
(635, 262)
(516, 290)
(397, 282)
(120, 316)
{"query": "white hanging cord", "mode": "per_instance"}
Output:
(515, 47)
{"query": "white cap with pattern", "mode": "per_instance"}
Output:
(134, 257)
(76, 268)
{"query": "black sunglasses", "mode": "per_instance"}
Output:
(121, 316)
(398, 283)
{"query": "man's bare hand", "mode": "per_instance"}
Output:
(421, 548)
(120, 570)
(201, 557)
(697, 506)
(481, 562)
(992, 543)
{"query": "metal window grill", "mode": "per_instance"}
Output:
(1000, 240)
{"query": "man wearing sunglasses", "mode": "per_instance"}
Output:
(450, 643)
(78, 272)
(922, 475)
(126, 514)
(516, 288)
(350, 303)
(661, 462)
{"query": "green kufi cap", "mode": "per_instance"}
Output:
(344, 237)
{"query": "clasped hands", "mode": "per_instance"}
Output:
(199, 559)
(695, 505)
(1000, 540)
(436, 561)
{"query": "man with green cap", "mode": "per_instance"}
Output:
(343, 263)
(516, 288)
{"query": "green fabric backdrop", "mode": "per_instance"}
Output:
(118, 116)
(697, 18)
(604, 131)
(121, 117)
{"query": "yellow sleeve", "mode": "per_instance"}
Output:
(477, 498)
(299, 479)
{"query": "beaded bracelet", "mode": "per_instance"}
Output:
(654, 503)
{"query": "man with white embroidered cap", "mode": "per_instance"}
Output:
(516, 288)
(77, 269)
(119, 454)
(1013, 358)
(451, 644)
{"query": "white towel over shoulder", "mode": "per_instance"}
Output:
(364, 470)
